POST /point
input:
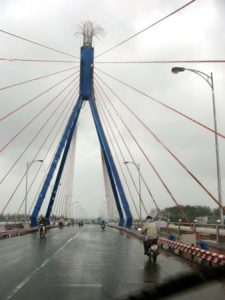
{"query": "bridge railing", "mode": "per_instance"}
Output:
(190, 252)
(213, 234)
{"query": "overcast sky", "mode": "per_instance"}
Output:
(194, 33)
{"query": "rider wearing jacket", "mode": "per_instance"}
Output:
(43, 222)
(150, 231)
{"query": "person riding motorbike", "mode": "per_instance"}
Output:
(43, 222)
(102, 223)
(150, 232)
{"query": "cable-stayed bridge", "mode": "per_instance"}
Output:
(42, 125)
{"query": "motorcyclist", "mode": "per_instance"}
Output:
(43, 222)
(102, 223)
(150, 231)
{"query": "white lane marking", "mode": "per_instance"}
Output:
(45, 262)
(95, 285)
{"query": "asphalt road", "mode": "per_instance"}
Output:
(86, 263)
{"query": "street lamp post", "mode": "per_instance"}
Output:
(28, 165)
(139, 185)
(179, 229)
(73, 214)
(67, 206)
(209, 80)
(103, 209)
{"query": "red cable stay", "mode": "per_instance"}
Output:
(104, 119)
(36, 78)
(154, 169)
(36, 97)
(101, 112)
(150, 26)
(34, 118)
(163, 61)
(163, 104)
(41, 184)
(67, 114)
(165, 147)
(119, 148)
(35, 43)
(38, 152)
(37, 60)
(38, 132)
(127, 148)
(53, 141)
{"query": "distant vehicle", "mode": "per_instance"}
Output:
(61, 223)
(80, 223)
(102, 224)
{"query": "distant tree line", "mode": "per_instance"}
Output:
(20, 218)
(192, 212)
(171, 213)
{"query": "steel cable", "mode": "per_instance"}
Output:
(150, 26)
(163, 104)
(36, 43)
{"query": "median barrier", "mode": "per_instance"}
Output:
(19, 232)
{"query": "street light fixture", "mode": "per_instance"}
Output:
(176, 70)
(28, 165)
(139, 184)
(209, 80)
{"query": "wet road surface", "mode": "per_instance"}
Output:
(86, 263)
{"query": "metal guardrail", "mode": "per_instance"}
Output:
(212, 234)
(212, 229)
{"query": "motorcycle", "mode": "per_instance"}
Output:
(103, 226)
(42, 231)
(80, 223)
(153, 249)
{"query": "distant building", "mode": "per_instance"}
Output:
(202, 220)
(153, 213)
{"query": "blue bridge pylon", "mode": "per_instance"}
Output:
(86, 94)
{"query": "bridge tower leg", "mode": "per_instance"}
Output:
(62, 148)
(86, 94)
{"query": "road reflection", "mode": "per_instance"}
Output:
(151, 272)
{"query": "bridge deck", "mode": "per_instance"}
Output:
(84, 264)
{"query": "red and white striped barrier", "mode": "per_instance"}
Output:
(187, 251)
(194, 253)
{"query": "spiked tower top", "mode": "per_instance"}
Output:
(89, 29)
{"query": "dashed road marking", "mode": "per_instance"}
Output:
(44, 263)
